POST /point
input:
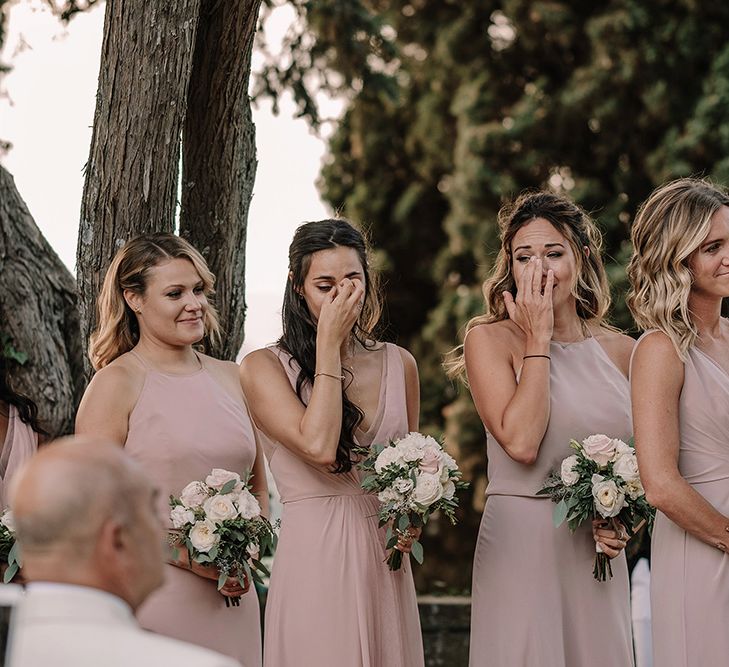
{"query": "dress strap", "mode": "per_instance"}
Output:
(140, 359)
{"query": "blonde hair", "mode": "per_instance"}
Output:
(590, 287)
(671, 224)
(117, 328)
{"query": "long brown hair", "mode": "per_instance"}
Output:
(117, 330)
(590, 287)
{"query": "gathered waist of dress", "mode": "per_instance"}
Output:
(343, 495)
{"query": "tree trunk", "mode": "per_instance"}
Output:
(132, 172)
(219, 155)
(38, 312)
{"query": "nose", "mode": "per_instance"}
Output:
(193, 302)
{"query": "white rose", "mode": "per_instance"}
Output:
(218, 478)
(181, 516)
(634, 489)
(203, 536)
(8, 520)
(609, 500)
(567, 472)
(622, 447)
(599, 448)
(388, 495)
(248, 505)
(448, 461)
(403, 485)
(220, 508)
(387, 457)
(626, 466)
(449, 490)
(410, 451)
(194, 495)
(428, 489)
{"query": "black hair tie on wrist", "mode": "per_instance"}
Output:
(537, 356)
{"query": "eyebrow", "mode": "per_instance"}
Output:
(349, 275)
(710, 241)
(546, 245)
(199, 282)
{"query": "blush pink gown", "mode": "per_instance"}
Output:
(332, 601)
(21, 442)
(182, 427)
(535, 602)
(689, 578)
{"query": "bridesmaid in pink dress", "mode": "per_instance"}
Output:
(181, 414)
(19, 431)
(679, 275)
(542, 369)
(323, 389)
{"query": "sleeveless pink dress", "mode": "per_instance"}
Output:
(181, 428)
(332, 601)
(21, 442)
(689, 578)
(535, 601)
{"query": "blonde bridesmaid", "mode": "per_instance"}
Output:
(325, 388)
(542, 368)
(679, 276)
(181, 414)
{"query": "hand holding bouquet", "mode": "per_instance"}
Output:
(219, 521)
(412, 477)
(9, 552)
(600, 480)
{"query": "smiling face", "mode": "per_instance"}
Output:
(327, 269)
(539, 238)
(174, 304)
(709, 263)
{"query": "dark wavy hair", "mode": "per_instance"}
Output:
(27, 409)
(299, 328)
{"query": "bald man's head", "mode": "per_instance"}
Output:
(84, 512)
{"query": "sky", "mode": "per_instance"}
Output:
(46, 111)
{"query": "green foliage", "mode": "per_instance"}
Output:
(9, 352)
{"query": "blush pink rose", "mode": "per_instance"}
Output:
(600, 448)
(431, 462)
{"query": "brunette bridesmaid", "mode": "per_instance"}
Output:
(19, 430)
(181, 414)
(324, 388)
(679, 276)
(543, 368)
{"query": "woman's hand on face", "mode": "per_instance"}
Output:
(610, 535)
(532, 309)
(340, 312)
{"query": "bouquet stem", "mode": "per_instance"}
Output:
(394, 560)
(602, 570)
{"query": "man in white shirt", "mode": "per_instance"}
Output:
(92, 550)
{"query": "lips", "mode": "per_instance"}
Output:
(193, 320)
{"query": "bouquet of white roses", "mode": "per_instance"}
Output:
(219, 521)
(412, 477)
(9, 552)
(600, 479)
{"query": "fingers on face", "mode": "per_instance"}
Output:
(536, 275)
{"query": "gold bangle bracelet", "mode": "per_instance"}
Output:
(329, 375)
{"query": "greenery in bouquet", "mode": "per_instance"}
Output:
(412, 477)
(9, 551)
(600, 480)
(219, 522)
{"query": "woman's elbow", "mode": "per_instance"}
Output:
(523, 452)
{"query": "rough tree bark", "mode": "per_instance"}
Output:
(132, 172)
(219, 155)
(38, 311)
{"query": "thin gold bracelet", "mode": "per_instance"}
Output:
(329, 375)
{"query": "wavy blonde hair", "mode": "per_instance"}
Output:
(590, 287)
(671, 224)
(117, 328)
